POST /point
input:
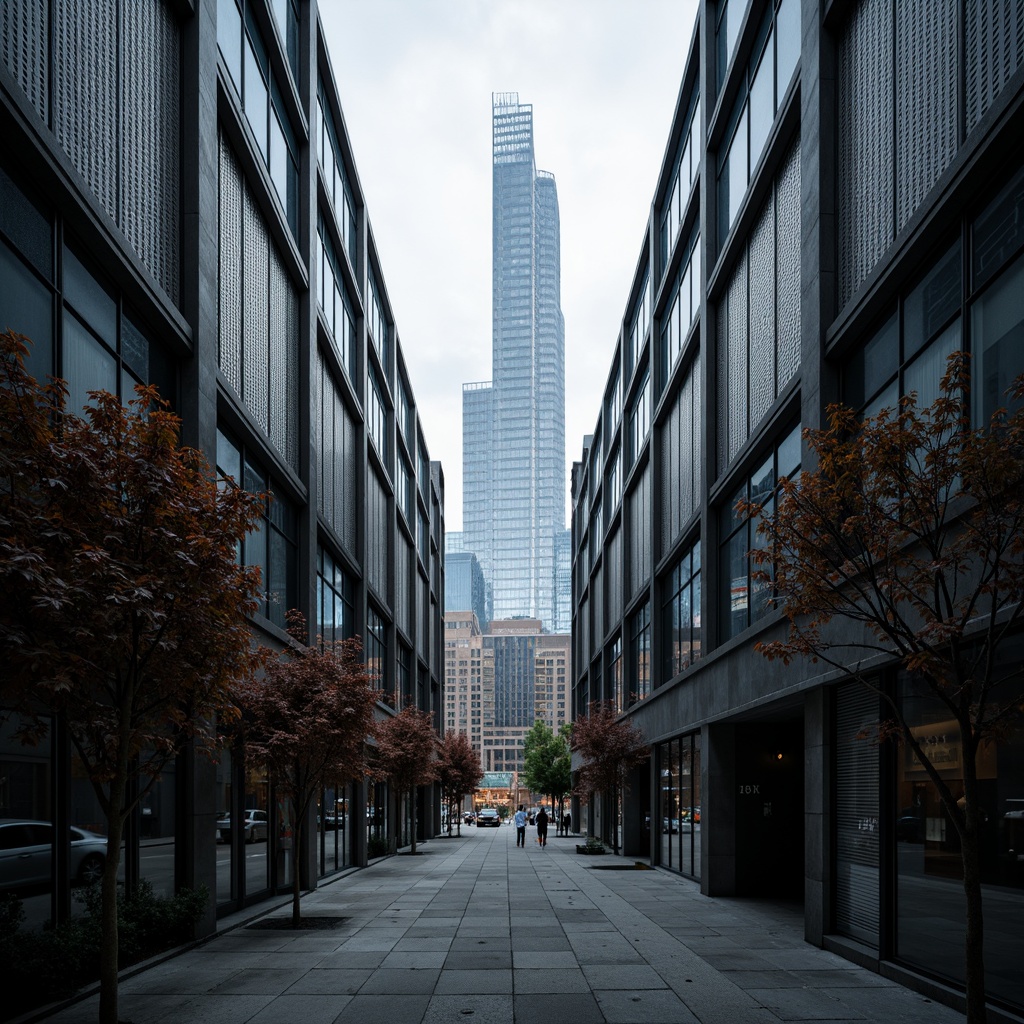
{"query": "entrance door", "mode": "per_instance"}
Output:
(770, 809)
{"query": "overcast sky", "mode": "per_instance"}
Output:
(415, 79)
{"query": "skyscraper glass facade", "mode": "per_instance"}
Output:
(514, 427)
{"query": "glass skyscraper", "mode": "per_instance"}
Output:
(514, 425)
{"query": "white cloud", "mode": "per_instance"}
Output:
(415, 79)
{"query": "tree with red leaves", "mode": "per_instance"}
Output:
(406, 755)
(905, 544)
(308, 720)
(458, 772)
(609, 750)
(123, 608)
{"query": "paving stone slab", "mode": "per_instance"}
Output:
(565, 1008)
(381, 1009)
(301, 1009)
(480, 1009)
(623, 976)
(644, 1007)
(388, 980)
(494, 982)
(331, 982)
(543, 979)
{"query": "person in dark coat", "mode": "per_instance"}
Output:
(542, 827)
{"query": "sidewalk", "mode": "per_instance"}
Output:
(477, 928)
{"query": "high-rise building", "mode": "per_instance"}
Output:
(180, 205)
(514, 425)
(464, 585)
(840, 205)
(499, 683)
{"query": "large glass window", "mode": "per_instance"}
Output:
(333, 300)
(681, 614)
(377, 324)
(640, 654)
(675, 325)
(273, 545)
(376, 648)
(335, 175)
(334, 598)
(685, 174)
(929, 888)
(640, 323)
(742, 601)
(377, 419)
(614, 681)
(640, 417)
(245, 56)
(677, 820)
(765, 82)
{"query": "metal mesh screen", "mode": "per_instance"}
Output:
(926, 98)
(256, 311)
(24, 33)
(230, 266)
(736, 354)
(348, 497)
(865, 90)
(85, 114)
(403, 567)
(613, 578)
(283, 396)
(762, 313)
(787, 269)
(150, 99)
(993, 48)
(857, 814)
(640, 532)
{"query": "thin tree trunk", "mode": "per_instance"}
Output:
(412, 815)
(296, 884)
(974, 940)
(108, 907)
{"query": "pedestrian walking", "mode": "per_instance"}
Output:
(520, 820)
(542, 827)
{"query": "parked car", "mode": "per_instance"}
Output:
(26, 853)
(256, 827)
(488, 817)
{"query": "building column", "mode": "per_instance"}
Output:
(718, 810)
(817, 814)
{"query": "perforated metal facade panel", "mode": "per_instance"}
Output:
(926, 98)
(150, 101)
(230, 268)
(24, 34)
(857, 814)
(85, 115)
(255, 311)
(377, 529)
(865, 192)
(762, 313)
(681, 454)
(639, 532)
(613, 579)
(994, 49)
(283, 411)
(787, 269)
(735, 357)
(403, 584)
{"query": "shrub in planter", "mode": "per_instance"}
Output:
(592, 845)
(377, 847)
(52, 964)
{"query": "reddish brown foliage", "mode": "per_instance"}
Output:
(905, 544)
(308, 720)
(610, 749)
(122, 606)
(406, 754)
(458, 772)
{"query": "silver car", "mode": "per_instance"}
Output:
(255, 827)
(26, 854)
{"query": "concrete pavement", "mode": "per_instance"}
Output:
(478, 929)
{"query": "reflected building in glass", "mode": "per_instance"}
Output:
(514, 424)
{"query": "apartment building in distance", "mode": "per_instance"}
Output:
(498, 684)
